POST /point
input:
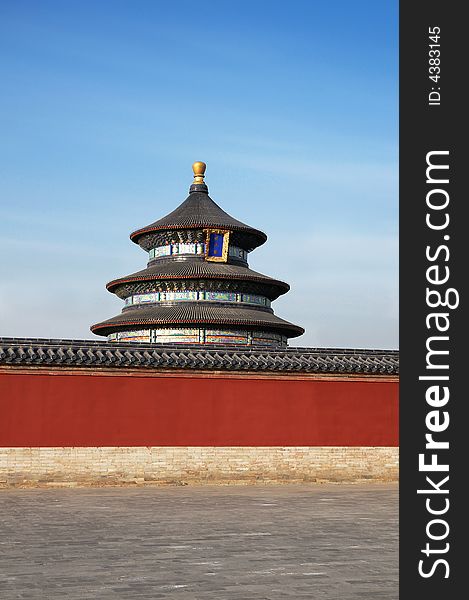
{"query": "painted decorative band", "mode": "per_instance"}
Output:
(191, 296)
(178, 249)
(200, 336)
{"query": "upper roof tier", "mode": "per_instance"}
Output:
(199, 211)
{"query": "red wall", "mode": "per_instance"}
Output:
(114, 410)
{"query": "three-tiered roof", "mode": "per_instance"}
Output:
(198, 287)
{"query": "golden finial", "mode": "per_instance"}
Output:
(199, 172)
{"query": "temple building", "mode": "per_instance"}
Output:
(198, 287)
(194, 381)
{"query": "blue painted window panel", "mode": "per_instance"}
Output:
(215, 246)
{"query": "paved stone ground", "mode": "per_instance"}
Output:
(325, 542)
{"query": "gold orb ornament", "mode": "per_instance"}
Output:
(199, 172)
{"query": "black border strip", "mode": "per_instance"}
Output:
(431, 123)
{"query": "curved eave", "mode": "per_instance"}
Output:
(195, 270)
(199, 211)
(148, 317)
(262, 237)
(111, 286)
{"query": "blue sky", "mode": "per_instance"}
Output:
(105, 105)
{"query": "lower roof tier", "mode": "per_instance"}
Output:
(190, 314)
(195, 269)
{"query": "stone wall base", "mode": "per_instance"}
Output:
(195, 465)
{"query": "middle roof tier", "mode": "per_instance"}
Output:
(197, 273)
